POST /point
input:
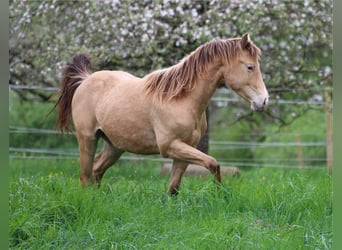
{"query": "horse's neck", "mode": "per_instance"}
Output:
(204, 90)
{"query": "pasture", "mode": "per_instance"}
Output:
(266, 208)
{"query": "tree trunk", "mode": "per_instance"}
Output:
(203, 145)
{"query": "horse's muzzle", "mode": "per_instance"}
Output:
(261, 106)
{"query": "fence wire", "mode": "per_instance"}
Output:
(45, 153)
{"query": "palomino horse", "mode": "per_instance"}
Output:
(163, 112)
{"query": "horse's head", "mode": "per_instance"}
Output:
(244, 75)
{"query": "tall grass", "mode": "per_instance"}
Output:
(263, 209)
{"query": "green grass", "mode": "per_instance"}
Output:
(263, 209)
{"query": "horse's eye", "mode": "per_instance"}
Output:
(250, 68)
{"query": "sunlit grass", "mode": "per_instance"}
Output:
(263, 209)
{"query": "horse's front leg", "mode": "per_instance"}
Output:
(178, 169)
(182, 151)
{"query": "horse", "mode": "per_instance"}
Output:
(160, 113)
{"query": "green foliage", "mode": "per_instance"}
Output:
(254, 141)
(222, 129)
(141, 36)
(290, 209)
(23, 114)
(309, 128)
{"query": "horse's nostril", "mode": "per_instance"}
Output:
(265, 101)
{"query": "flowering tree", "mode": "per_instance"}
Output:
(143, 35)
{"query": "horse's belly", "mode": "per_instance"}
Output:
(134, 141)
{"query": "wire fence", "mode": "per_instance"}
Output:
(274, 162)
(230, 163)
(225, 146)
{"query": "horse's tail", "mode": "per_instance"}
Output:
(74, 74)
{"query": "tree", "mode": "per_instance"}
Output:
(141, 36)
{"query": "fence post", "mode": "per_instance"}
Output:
(299, 151)
(329, 143)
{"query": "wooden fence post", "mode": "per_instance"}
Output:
(299, 151)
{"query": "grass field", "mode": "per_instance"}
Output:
(263, 209)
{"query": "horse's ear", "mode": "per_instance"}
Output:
(245, 41)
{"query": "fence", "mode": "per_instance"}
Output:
(298, 144)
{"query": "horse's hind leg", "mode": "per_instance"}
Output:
(178, 169)
(107, 157)
(87, 146)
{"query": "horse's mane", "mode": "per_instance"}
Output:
(179, 79)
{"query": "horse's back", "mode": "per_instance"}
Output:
(102, 82)
(106, 79)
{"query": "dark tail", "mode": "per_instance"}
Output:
(73, 75)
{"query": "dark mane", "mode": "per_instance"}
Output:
(179, 79)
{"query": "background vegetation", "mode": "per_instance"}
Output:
(142, 36)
